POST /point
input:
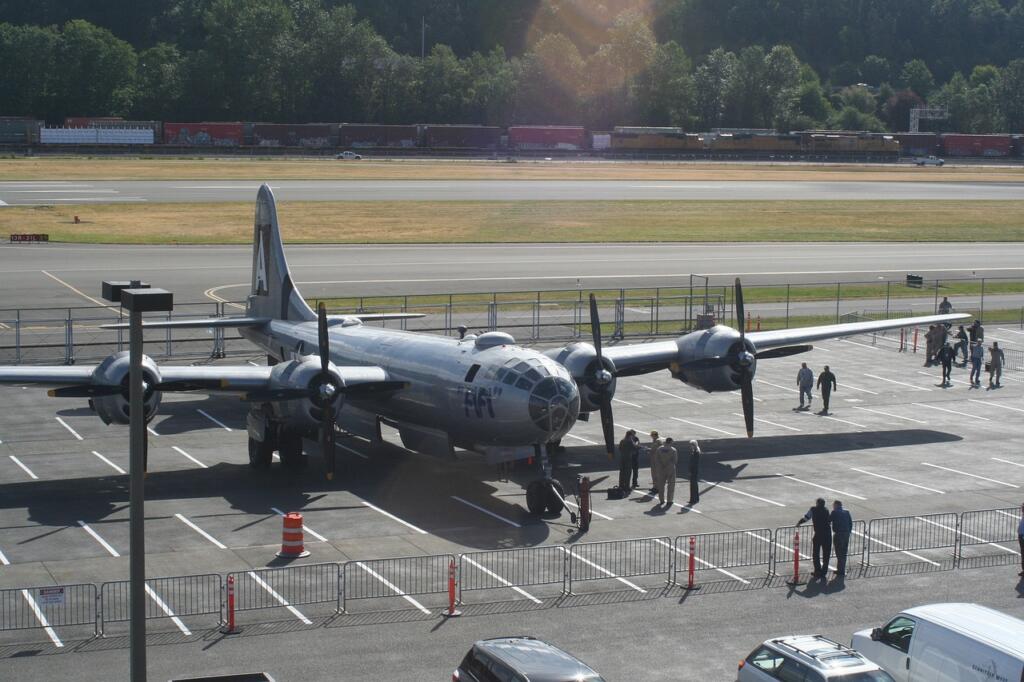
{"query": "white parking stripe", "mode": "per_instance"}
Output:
(214, 420)
(107, 461)
(394, 518)
(595, 513)
(175, 447)
(740, 492)
(167, 611)
(704, 426)
(391, 587)
(896, 480)
(23, 467)
(625, 428)
(857, 388)
(42, 619)
(895, 548)
(816, 485)
(854, 343)
(581, 438)
(784, 388)
(608, 573)
(1012, 331)
(954, 381)
(65, 425)
(889, 414)
(3, 560)
(806, 557)
(1006, 461)
(305, 528)
(765, 421)
(943, 409)
(152, 430)
(97, 538)
(354, 452)
(957, 471)
(280, 600)
(616, 400)
(486, 511)
(900, 383)
(202, 532)
(968, 535)
(837, 419)
(672, 395)
(650, 496)
(995, 404)
(698, 560)
(502, 580)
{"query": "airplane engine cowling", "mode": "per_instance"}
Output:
(114, 371)
(581, 361)
(303, 414)
(716, 342)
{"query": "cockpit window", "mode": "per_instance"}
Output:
(471, 374)
(533, 375)
(509, 378)
(522, 367)
(524, 384)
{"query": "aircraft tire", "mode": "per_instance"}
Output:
(535, 497)
(554, 497)
(290, 448)
(260, 454)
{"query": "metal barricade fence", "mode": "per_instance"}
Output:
(171, 597)
(715, 553)
(615, 559)
(784, 540)
(48, 606)
(379, 578)
(907, 535)
(986, 532)
(268, 588)
(504, 568)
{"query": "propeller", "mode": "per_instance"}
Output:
(600, 381)
(743, 360)
(326, 390)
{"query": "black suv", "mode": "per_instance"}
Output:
(521, 659)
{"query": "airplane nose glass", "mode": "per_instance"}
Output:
(554, 405)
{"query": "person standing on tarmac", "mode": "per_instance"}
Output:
(995, 365)
(652, 450)
(946, 355)
(961, 343)
(1020, 539)
(694, 472)
(977, 356)
(627, 450)
(945, 308)
(667, 457)
(805, 382)
(977, 332)
(826, 384)
(822, 538)
(842, 526)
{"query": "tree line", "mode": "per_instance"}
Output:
(697, 64)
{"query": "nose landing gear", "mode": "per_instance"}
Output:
(544, 494)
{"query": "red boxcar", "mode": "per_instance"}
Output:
(204, 134)
(309, 135)
(956, 144)
(547, 137)
(918, 144)
(461, 137)
(368, 135)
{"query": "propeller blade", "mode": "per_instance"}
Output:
(595, 325)
(375, 388)
(272, 395)
(741, 318)
(85, 391)
(747, 394)
(608, 427)
(783, 352)
(324, 346)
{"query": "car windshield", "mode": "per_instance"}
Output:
(869, 676)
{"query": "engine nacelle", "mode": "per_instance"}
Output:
(718, 341)
(303, 414)
(114, 371)
(581, 360)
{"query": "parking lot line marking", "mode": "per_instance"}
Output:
(968, 535)
(857, 388)
(957, 471)
(1012, 516)
(592, 511)
(581, 438)
(740, 492)
(624, 402)
(672, 395)
(896, 480)
(152, 430)
(943, 409)
(202, 532)
(995, 404)
(502, 580)
(280, 600)
(806, 557)
(23, 467)
(894, 547)
(955, 381)
(1006, 461)
(107, 461)
(765, 421)
(167, 611)
(391, 587)
(626, 428)
(784, 388)
(650, 497)
(42, 619)
(252, 363)
(698, 560)
(900, 383)
(215, 420)
(354, 452)
(3, 560)
(65, 425)
(816, 485)
(608, 573)
(889, 414)
(837, 419)
(97, 538)
(486, 511)
(704, 426)
(175, 447)
(1012, 331)
(854, 343)
(394, 518)
(305, 528)
(77, 291)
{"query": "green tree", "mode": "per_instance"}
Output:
(714, 79)
(161, 82)
(876, 70)
(667, 91)
(96, 73)
(851, 118)
(916, 76)
(27, 54)
(548, 82)
(1011, 96)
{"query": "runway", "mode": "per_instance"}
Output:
(34, 193)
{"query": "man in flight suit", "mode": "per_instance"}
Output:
(822, 539)
(667, 457)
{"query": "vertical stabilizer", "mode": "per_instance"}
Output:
(273, 294)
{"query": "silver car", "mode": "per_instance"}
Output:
(808, 658)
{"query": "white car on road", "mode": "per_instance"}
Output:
(929, 161)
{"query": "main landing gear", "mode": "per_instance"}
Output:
(544, 494)
(266, 436)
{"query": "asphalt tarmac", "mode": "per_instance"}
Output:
(32, 193)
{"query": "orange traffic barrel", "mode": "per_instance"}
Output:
(291, 537)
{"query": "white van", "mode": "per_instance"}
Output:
(947, 643)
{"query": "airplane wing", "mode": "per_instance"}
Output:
(239, 322)
(60, 375)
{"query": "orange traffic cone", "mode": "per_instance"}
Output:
(291, 537)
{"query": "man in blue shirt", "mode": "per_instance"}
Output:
(821, 541)
(842, 526)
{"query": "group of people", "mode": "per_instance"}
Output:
(970, 345)
(664, 459)
(832, 529)
(826, 384)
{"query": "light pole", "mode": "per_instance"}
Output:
(137, 298)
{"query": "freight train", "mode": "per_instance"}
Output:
(622, 141)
